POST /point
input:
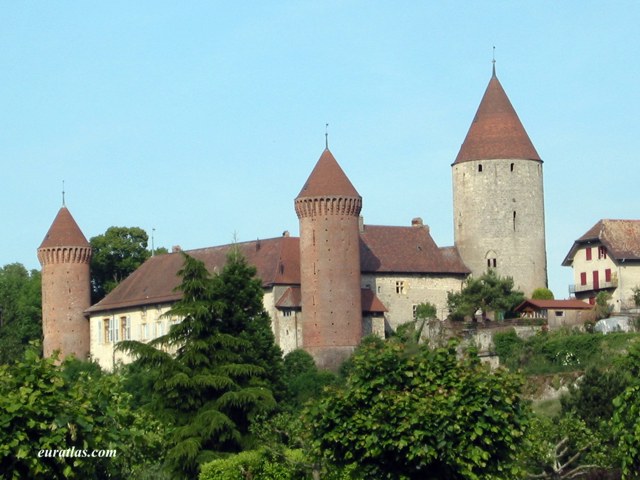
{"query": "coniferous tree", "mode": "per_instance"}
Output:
(216, 369)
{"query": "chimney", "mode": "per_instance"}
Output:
(361, 224)
(285, 233)
(176, 249)
(416, 222)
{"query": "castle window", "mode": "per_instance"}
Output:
(415, 311)
(400, 287)
(587, 252)
(514, 220)
(479, 167)
(379, 289)
(512, 165)
(111, 329)
(559, 313)
(602, 252)
(286, 313)
(125, 328)
(100, 332)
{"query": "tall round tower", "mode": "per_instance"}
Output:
(65, 255)
(498, 199)
(328, 208)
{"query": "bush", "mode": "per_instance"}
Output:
(256, 464)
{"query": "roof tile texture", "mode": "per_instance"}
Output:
(277, 260)
(64, 232)
(496, 131)
(621, 237)
(327, 179)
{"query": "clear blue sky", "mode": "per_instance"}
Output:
(203, 119)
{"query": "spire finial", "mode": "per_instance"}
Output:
(63, 202)
(326, 136)
(494, 61)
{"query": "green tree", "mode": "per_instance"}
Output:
(626, 429)
(43, 409)
(592, 399)
(115, 255)
(564, 448)
(20, 310)
(217, 369)
(542, 293)
(603, 309)
(486, 293)
(421, 414)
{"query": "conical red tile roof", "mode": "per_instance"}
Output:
(327, 178)
(496, 130)
(64, 232)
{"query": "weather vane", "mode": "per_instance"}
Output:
(326, 136)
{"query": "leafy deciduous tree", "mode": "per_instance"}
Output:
(422, 414)
(20, 310)
(115, 255)
(488, 292)
(542, 293)
(43, 410)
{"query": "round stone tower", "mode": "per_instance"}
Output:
(65, 255)
(328, 208)
(498, 199)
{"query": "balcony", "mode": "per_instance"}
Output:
(589, 287)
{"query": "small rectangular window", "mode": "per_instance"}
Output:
(583, 278)
(602, 252)
(125, 328)
(607, 275)
(559, 313)
(400, 288)
(588, 253)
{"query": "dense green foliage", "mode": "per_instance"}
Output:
(560, 351)
(225, 369)
(592, 399)
(20, 310)
(626, 428)
(303, 380)
(257, 464)
(486, 293)
(542, 293)
(42, 407)
(115, 255)
(409, 413)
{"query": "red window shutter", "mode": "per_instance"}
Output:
(588, 252)
(583, 278)
(607, 275)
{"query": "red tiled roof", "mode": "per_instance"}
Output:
(292, 298)
(277, 260)
(620, 237)
(555, 305)
(64, 232)
(406, 250)
(327, 178)
(496, 130)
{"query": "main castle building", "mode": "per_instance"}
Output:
(341, 279)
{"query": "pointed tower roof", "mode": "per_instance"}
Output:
(327, 178)
(496, 130)
(64, 232)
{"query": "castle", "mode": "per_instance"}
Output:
(341, 279)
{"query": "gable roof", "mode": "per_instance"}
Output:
(496, 130)
(277, 260)
(327, 178)
(406, 250)
(570, 304)
(620, 237)
(64, 232)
